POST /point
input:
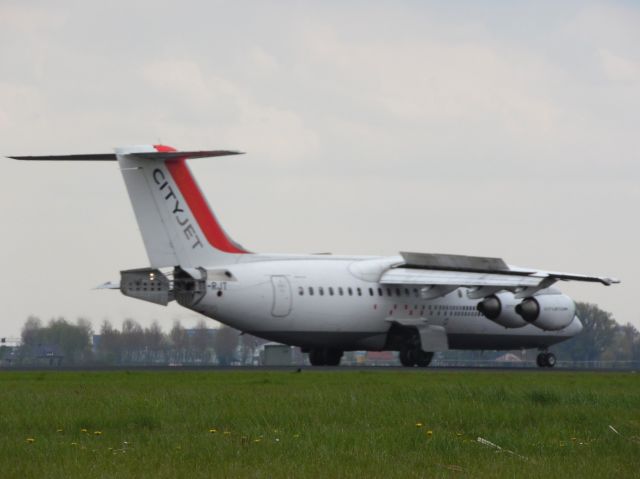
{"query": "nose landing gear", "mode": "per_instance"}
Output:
(546, 360)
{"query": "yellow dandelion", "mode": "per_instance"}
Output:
(213, 430)
(58, 430)
(83, 430)
(459, 434)
(419, 424)
(31, 440)
(74, 443)
(257, 440)
(429, 433)
(97, 433)
(574, 438)
(226, 433)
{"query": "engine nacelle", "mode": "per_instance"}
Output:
(500, 308)
(549, 312)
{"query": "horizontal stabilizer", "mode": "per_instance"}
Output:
(93, 157)
(156, 155)
(180, 155)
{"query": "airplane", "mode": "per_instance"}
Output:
(413, 303)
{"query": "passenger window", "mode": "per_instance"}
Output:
(389, 293)
(321, 291)
(310, 291)
(406, 291)
(359, 292)
(370, 292)
(301, 291)
(398, 293)
(380, 292)
(350, 291)
(415, 292)
(330, 291)
(340, 291)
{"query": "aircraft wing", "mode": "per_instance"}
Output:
(472, 271)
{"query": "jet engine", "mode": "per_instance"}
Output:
(500, 308)
(549, 312)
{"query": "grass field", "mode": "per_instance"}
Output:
(319, 424)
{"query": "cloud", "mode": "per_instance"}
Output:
(620, 69)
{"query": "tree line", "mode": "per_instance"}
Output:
(64, 342)
(602, 339)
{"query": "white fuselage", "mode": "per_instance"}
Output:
(333, 301)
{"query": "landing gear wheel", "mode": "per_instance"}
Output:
(407, 358)
(546, 360)
(541, 360)
(423, 358)
(325, 357)
(410, 357)
(551, 360)
(332, 357)
(316, 357)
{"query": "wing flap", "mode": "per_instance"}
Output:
(457, 278)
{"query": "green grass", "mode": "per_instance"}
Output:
(319, 424)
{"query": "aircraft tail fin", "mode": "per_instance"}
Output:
(176, 222)
(177, 225)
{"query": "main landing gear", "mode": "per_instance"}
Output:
(325, 357)
(410, 357)
(546, 360)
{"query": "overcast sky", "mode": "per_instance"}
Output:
(507, 129)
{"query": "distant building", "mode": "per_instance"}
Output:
(508, 358)
(48, 353)
(380, 358)
(276, 354)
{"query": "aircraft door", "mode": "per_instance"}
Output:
(281, 296)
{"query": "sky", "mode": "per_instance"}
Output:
(507, 129)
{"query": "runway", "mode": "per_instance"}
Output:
(313, 369)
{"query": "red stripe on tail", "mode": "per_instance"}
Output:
(198, 205)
